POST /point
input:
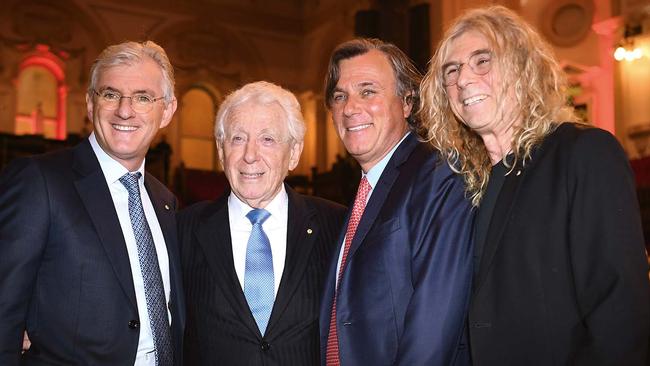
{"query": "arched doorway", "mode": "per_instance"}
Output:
(197, 112)
(41, 95)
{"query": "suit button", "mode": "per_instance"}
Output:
(134, 324)
(265, 345)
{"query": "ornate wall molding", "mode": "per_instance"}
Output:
(199, 49)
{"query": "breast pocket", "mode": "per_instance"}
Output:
(381, 231)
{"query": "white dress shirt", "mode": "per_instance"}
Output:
(113, 170)
(372, 176)
(275, 228)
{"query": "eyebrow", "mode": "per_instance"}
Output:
(360, 85)
(475, 52)
(367, 83)
(267, 130)
(141, 91)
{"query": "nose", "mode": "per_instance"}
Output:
(250, 151)
(124, 109)
(465, 76)
(351, 106)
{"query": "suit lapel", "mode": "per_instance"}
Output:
(381, 191)
(302, 232)
(498, 222)
(164, 205)
(213, 235)
(96, 197)
(330, 286)
(165, 214)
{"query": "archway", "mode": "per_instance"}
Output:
(41, 95)
(197, 112)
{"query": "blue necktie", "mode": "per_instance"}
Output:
(153, 286)
(259, 287)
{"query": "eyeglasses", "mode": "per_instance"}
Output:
(480, 63)
(140, 102)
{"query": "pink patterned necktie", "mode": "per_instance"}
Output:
(332, 353)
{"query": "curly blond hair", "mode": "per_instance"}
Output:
(534, 80)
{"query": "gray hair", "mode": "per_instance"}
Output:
(129, 53)
(407, 76)
(265, 93)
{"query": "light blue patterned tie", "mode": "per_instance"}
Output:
(153, 286)
(259, 287)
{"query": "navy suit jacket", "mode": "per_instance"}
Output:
(404, 293)
(65, 275)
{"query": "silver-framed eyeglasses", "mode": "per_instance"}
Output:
(480, 62)
(140, 102)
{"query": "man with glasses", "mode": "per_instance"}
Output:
(560, 272)
(90, 266)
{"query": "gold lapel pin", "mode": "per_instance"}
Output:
(167, 207)
(309, 231)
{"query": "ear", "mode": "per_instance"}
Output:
(90, 106)
(220, 153)
(294, 155)
(407, 104)
(168, 112)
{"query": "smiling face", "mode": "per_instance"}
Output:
(477, 99)
(122, 133)
(257, 151)
(369, 116)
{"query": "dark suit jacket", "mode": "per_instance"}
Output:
(220, 327)
(64, 269)
(563, 279)
(405, 289)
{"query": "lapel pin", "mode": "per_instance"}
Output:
(167, 207)
(309, 231)
(518, 172)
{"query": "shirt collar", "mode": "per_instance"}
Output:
(112, 169)
(374, 173)
(278, 208)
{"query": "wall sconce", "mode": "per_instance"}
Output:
(626, 50)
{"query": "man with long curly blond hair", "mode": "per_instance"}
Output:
(560, 272)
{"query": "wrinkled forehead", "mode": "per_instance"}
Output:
(459, 47)
(141, 75)
(373, 66)
(255, 117)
